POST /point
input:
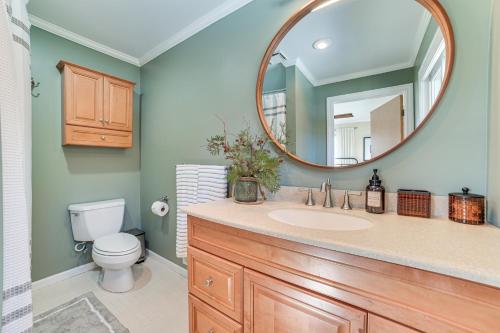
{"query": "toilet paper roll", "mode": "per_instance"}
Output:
(159, 208)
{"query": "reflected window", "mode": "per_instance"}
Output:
(431, 76)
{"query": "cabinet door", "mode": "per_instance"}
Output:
(83, 97)
(273, 306)
(118, 104)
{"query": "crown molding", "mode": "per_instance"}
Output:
(61, 32)
(201, 23)
(370, 72)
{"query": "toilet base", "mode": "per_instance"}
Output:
(117, 281)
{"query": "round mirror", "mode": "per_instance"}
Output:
(346, 82)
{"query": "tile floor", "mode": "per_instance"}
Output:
(158, 303)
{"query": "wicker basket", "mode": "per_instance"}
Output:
(414, 203)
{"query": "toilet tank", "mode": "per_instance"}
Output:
(93, 220)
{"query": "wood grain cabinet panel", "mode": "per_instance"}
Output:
(380, 325)
(118, 106)
(216, 281)
(273, 306)
(204, 319)
(88, 136)
(83, 91)
(93, 102)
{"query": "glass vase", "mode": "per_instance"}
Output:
(246, 190)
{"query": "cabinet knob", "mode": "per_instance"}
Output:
(107, 121)
(103, 137)
(211, 330)
(209, 282)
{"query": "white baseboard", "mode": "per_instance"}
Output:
(91, 265)
(173, 266)
(63, 275)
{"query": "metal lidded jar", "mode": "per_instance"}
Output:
(467, 208)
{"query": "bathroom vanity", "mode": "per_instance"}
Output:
(249, 272)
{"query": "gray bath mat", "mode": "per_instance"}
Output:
(84, 314)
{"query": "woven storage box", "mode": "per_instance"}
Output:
(467, 208)
(414, 203)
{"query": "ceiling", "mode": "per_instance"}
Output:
(131, 30)
(367, 38)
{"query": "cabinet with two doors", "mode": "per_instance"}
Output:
(97, 108)
(241, 281)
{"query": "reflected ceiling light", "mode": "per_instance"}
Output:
(325, 4)
(322, 44)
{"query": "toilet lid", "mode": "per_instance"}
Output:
(117, 243)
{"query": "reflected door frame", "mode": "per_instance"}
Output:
(406, 90)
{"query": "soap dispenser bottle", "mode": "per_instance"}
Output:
(375, 195)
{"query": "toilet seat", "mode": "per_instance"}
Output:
(120, 244)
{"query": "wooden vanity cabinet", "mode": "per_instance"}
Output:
(97, 108)
(262, 284)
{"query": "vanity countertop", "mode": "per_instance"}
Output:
(436, 245)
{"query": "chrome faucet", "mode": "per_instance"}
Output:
(326, 187)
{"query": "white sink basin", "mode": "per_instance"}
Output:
(319, 220)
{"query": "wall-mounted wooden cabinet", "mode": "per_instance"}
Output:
(97, 108)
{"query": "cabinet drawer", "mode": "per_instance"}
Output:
(217, 282)
(378, 324)
(88, 136)
(205, 319)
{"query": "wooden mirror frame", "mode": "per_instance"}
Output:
(438, 13)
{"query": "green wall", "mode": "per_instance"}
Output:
(305, 114)
(65, 175)
(184, 92)
(291, 116)
(275, 78)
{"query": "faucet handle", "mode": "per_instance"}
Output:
(347, 204)
(310, 198)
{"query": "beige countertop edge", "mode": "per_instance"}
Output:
(481, 276)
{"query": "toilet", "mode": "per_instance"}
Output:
(115, 252)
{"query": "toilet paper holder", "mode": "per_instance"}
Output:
(164, 199)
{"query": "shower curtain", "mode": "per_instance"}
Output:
(275, 112)
(344, 145)
(15, 142)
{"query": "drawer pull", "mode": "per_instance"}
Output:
(209, 282)
(103, 137)
(211, 330)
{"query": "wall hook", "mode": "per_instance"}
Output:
(34, 85)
